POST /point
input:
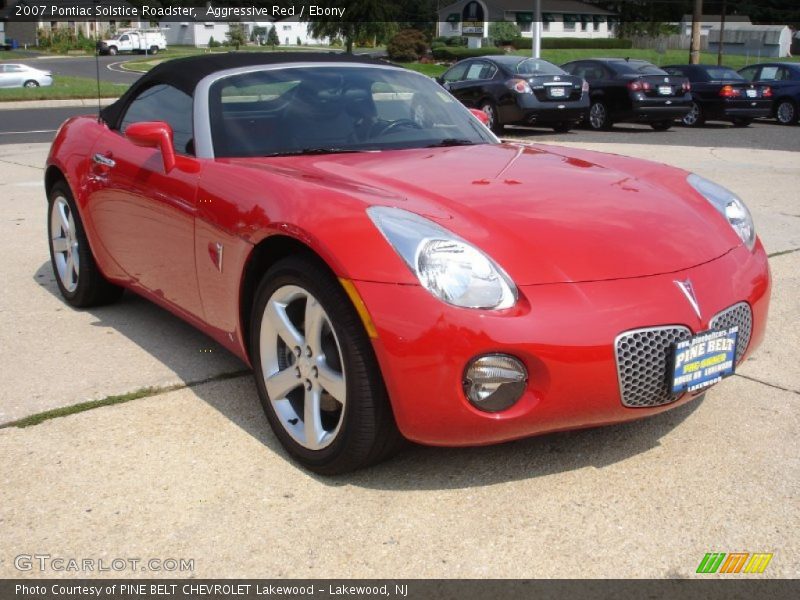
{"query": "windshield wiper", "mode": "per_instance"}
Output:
(451, 142)
(306, 151)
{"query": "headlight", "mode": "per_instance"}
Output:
(448, 267)
(729, 205)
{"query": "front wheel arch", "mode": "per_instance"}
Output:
(265, 254)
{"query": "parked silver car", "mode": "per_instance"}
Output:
(18, 75)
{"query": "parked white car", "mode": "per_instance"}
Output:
(18, 75)
(134, 40)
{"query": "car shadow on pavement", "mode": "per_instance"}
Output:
(175, 344)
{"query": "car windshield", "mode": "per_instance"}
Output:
(336, 108)
(536, 66)
(718, 73)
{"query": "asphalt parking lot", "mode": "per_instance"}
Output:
(191, 470)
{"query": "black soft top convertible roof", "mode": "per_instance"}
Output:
(186, 73)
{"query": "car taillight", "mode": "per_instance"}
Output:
(728, 91)
(686, 86)
(519, 85)
(766, 92)
(638, 86)
(585, 86)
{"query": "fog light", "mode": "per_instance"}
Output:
(495, 381)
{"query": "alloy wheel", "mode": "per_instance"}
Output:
(786, 112)
(693, 116)
(301, 362)
(489, 110)
(64, 241)
(597, 115)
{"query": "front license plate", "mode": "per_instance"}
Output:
(665, 90)
(557, 92)
(704, 360)
(751, 93)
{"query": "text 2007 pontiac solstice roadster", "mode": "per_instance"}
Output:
(388, 267)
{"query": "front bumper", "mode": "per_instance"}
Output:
(564, 333)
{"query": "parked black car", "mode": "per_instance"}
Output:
(622, 89)
(784, 79)
(518, 90)
(721, 94)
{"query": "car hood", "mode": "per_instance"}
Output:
(546, 214)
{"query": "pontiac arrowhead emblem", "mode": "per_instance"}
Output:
(688, 291)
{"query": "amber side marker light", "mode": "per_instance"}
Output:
(361, 308)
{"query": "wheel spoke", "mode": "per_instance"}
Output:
(315, 317)
(60, 244)
(76, 260)
(312, 420)
(62, 215)
(70, 273)
(333, 383)
(276, 313)
(281, 383)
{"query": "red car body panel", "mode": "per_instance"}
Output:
(593, 241)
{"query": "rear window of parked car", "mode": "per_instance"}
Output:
(637, 67)
(534, 66)
(716, 73)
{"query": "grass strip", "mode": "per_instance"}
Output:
(146, 392)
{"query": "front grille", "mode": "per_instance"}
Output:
(644, 356)
(643, 360)
(737, 315)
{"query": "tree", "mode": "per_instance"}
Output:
(272, 37)
(236, 35)
(502, 32)
(362, 19)
(407, 45)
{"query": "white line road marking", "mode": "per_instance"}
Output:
(111, 67)
(24, 132)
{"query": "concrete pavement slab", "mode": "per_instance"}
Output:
(55, 356)
(196, 474)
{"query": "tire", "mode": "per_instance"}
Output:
(695, 117)
(82, 285)
(786, 112)
(112, 50)
(490, 108)
(336, 371)
(661, 125)
(153, 49)
(742, 122)
(31, 84)
(563, 126)
(598, 117)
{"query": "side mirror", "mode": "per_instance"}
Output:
(480, 115)
(154, 134)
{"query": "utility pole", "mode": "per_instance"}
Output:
(721, 45)
(694, 53)
(536, 28)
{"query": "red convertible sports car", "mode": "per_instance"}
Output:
(392, 270)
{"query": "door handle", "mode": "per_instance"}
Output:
(105, 161)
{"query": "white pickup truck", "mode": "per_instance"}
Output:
(141, 40)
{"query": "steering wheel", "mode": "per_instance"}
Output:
(398, 124)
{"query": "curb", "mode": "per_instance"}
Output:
(75, 102)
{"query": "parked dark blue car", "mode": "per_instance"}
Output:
(721, 94)
(515, 90)
(784, 79)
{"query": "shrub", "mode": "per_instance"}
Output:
(212, 43)
(522, 43)
(445, 40)
(407, 45)
(502, 32)
(449, 53)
